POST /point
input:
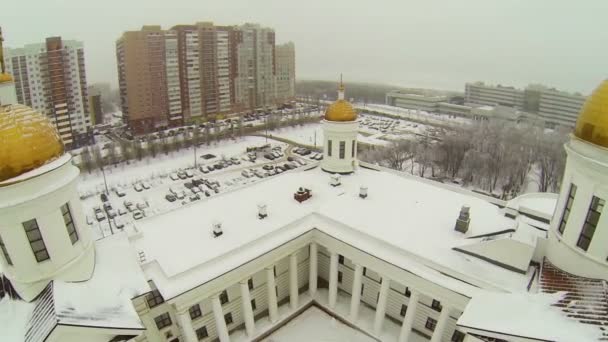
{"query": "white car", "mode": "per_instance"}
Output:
(174, 176)
(119, 223)
(120, 192)
(138, 187)
(195, 190)
(246, 174)
(100, 216)
(189, 174)
(145, 185)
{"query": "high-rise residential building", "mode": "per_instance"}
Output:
(256, 66)
(51, 78)
(148, 78)
(285, 71)
(95, 109)
(198, 72)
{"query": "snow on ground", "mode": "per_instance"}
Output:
(302, 134)
(14, 315)
(316, 325)
(431, 118)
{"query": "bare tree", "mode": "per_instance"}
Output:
(86, 159)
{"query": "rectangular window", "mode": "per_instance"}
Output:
(253, 306)
(340, 277)
(408, 293)
(69, 223)
(5, 252)
(154, 299)
(35, 238)
(201, 333)
(403, 310)
(430, 324)
(195, 311)
(362, 288)
(352, 151)
(329, 148)
(458, 336)
(250, 283)
(224, 297)
(436, 305)
(228, 318)
(342, 149)
(567, 208)
(163, 321)
(593, 217)
(341, 259)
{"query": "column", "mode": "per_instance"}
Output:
(247, 310)
(312, 282)
(188, 335)
(381, 306)
(293, 281)
(441, 324)
(408, 320)
(273, 309)
(220, 323)
(333, 279)
(356, 293)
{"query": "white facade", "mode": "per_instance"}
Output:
(286, 72)
(256, 66)
(193, 74)
(36, 218)
(578, 239)
(223, 70)
(415, 101)
(491, 95)
(340, 146)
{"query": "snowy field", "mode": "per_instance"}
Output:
(316, 325)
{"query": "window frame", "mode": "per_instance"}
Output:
(342, 151)
(403, 310)
(195, 311)
(341, 259)
(353, 149)
(163, 319)
(154, 299)
(567, 208)
(430, 324)
(35, 228)
(340, 276)
(588, 230)
(407, 292)
(68, 219)
(253, 305)
(250, 284)
(329, 147)
(458, 336)
(202, 333)
(436, 305)
(228, 318)
(7, 257)
(224, 297)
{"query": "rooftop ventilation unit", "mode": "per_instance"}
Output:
(302, 195)
(363, 192)
(262, 214)
(335, 180)
(217, 229)
(463, 220)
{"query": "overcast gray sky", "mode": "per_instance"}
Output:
(425, 43)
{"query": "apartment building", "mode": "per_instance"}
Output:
(51, 78)
(491, 95)
(204, 70)
(414, 101)
(286, 72)
(148, 78)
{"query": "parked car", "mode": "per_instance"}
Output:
(119, 223)
(121, 211)
(180, 195)
(203, 169)
(111, 213)
(267, 167)
(120, 192)
(104, 197)
(145, 185)
(138, 215)
(189, 174)
(174, 176)
(170, 198)
(141, 205)
(99, 216)
(269, 156)
(246, 174)
(182, 175)
(138, 187)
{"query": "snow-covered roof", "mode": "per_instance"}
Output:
(412, 219)
(105, 299)
(523, 315)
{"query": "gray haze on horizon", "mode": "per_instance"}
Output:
(431, 44)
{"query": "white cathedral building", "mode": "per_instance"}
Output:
(390, 256)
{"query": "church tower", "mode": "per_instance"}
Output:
(578, 237)
(340, 129)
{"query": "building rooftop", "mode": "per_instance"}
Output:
(412, 220)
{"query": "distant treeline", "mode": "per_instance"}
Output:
(361, 92)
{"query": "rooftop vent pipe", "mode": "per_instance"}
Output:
(463, 220)
(262, 211)
(335, 180)
(217, 229)
(363, 192)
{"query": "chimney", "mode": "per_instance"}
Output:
(335, 180)
(363, 191)
(262, 211)
(217, 229)
(463, 220)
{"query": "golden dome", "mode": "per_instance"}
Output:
(340, 110)
(592, 122)
(5, 78)
(27, 140)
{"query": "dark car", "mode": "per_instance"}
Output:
(104, 197)
(269, 156)
(290, 159)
